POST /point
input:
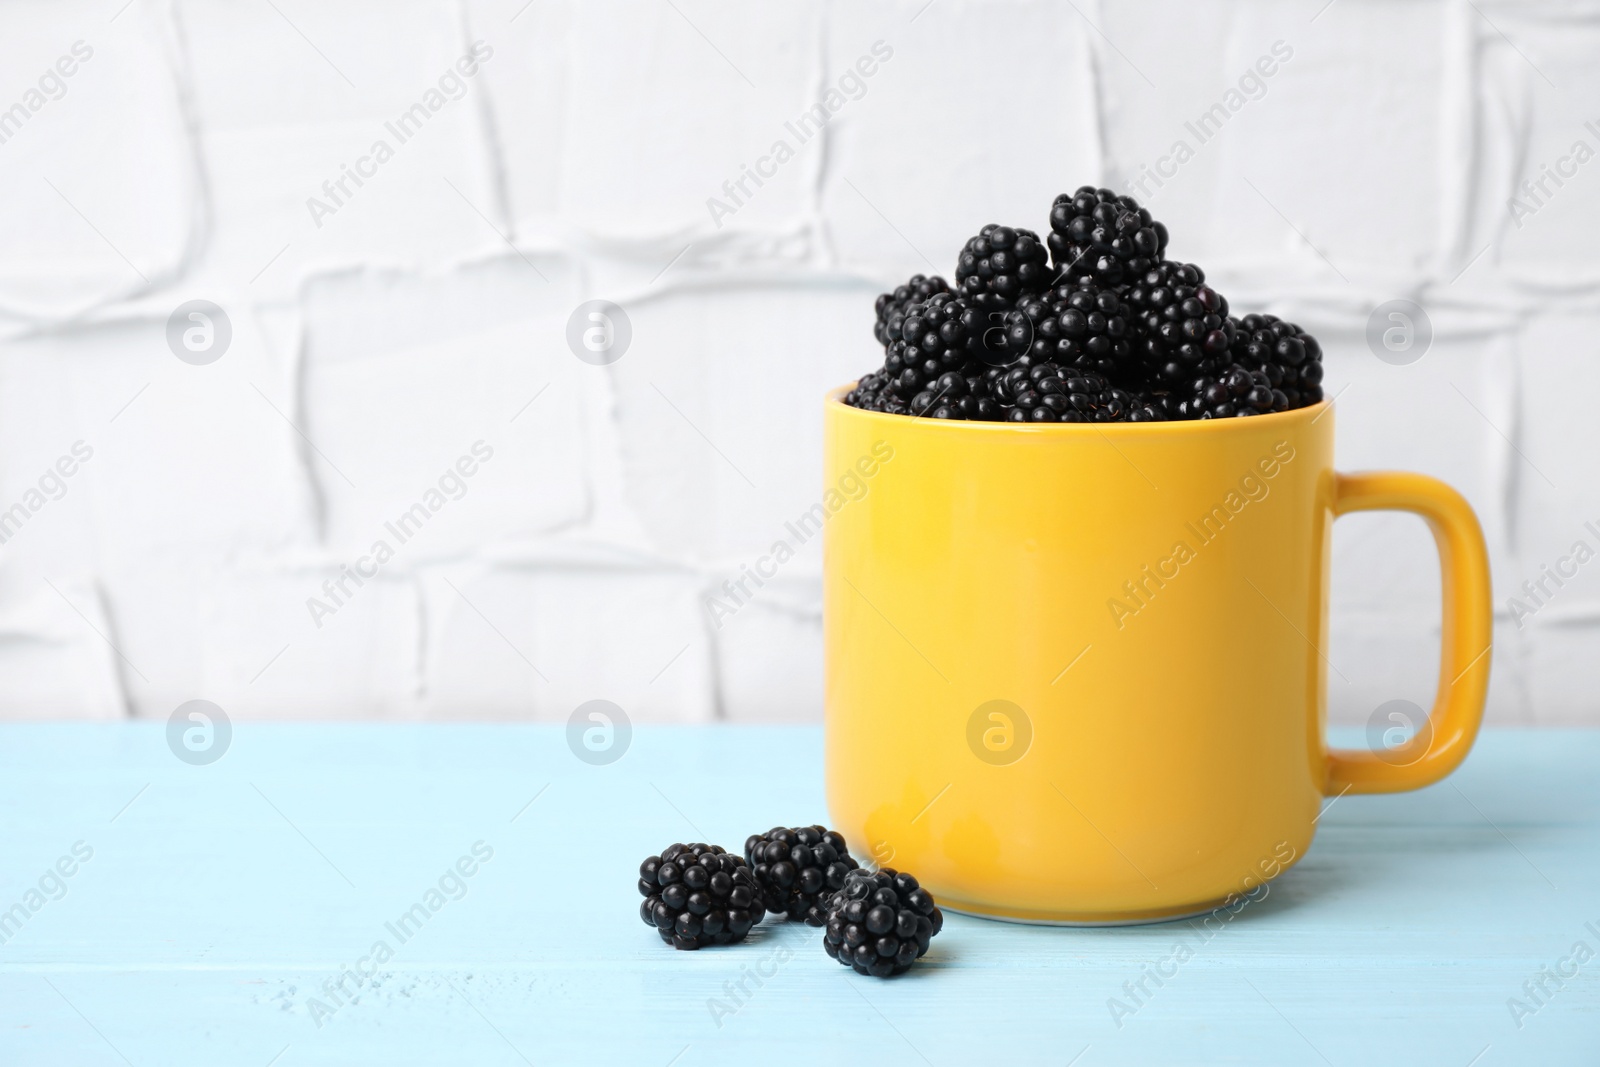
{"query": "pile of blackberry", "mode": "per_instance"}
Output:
(879, 922)
(1094, 324)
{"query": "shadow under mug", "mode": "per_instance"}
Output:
(1076, 673)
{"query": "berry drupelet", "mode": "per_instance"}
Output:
(880, 923)
(1098, 233)
(1000, 266)
(798, 869)
(891, 307)
(697, 895)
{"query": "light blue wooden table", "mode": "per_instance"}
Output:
(220, 900)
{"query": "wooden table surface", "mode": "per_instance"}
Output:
(217, 903)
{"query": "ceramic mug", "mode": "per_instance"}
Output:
(1077, 673)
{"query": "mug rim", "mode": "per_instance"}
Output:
(1295, 416)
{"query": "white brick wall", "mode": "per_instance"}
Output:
(428, 310)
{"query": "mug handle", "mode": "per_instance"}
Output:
(1467, 636)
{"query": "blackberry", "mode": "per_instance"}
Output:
(1049, 392)
(872, 394)
(1181, 324)
(1276, 366)
(1000, 266)
(1080, 324)
(936, 368)
(1147, 407)
(891, 307)
(880, 923)
(798, 869)
(1236, 391)
(1290, 358)
(1095, 232)
(698, 895)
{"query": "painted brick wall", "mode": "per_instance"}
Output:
(385, 325)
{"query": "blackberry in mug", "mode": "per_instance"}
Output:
(1049, 392)
(1096, 233)
(1001, 265)
(1080, 324)
(937, 364)
(871, 393)
(1115, 332)
(697, 895)
(1290, 358)
(891, 307)
(1184, 329)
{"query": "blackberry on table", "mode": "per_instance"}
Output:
(697, 895)
(798, 869)
(881, 922)
(1097, 233)
(1001, 265)
(891, 307)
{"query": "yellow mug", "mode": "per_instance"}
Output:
(1077, 673)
